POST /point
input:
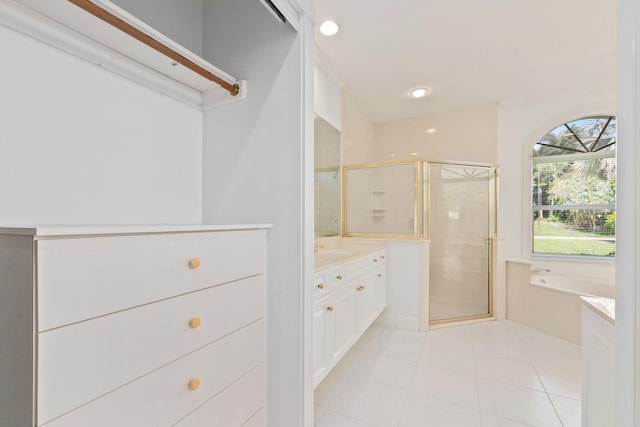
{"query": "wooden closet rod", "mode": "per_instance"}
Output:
(129, 29)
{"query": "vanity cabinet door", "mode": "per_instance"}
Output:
(343, 325)
(380, 288)
(364, 302)
(321, 351)
(371, 299)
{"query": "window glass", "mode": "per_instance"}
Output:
(574, 189)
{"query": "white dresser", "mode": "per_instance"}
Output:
(132, 326)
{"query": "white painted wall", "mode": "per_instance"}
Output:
(627, 357)
(327, 103)
(81, 145)
(255, 155)
(465, 135)
(327, 144)
(358, 133)
(179, 20)
(407, 285)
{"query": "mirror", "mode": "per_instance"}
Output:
(328, 198)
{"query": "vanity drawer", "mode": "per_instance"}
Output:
(82, 278)
(378, 259)
(234, 406)
(348, 271)
(91, 358)
(321, 286)
(165, 396)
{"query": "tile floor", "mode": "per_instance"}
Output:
(489, 374)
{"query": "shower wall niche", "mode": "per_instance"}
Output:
(382, 200)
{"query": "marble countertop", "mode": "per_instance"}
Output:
(604, 307)
(331, 256)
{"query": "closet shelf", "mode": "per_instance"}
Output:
(124, 45)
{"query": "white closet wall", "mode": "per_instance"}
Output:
(81, 145)
(253, 171)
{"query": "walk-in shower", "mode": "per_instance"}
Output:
(451, 204)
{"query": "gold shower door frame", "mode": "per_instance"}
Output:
(422, 229)
(485, 238)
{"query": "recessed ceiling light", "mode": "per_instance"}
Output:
(329, 28)
(414, 154)
(432, 130)
(419, 92)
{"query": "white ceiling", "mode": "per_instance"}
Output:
(469, 52)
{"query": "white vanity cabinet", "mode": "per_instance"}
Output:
(598, 361)
(356, 295)
(132, 325)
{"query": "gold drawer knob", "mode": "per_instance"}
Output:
(339, 277)
(194, 384)
(375, 260)
(379, 275)
(195, 322)
(320, 286)
(194, 263)
(360, 288)
(330, 308)
(382, 256)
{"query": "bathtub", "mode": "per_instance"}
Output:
(550, 302)
(574, 285)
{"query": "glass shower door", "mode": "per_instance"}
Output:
(461, 223)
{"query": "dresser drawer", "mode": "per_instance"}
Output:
(234, 406)
(164, 396)
(80, 362)
(82, 278)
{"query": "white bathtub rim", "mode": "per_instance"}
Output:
(554, 283)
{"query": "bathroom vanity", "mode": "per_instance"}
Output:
(598, 354)
(350, 292)
(158, 325)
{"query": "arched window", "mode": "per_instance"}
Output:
(574, 189)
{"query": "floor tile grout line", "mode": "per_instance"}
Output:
(347, 416)
(413, 376)
(535, 368)
(403, 390)
(520, 340)
(505, 418)
(475, 370)
(403, 398)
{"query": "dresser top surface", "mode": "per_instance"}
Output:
(77, 230)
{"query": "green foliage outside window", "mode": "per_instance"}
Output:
(574, 189)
